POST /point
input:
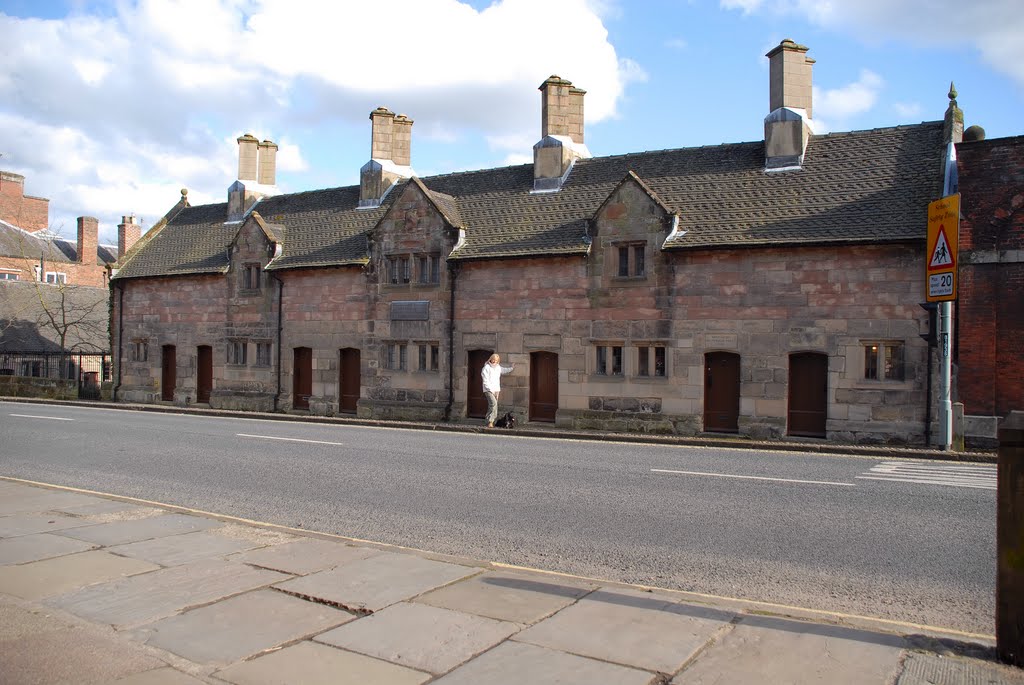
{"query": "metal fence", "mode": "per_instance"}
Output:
(89, 370)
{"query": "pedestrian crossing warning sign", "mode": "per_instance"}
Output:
(942, 256)
(943, 242)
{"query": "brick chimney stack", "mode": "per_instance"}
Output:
(561, 130)
(128, 233)
(267, 163)
(248, 146)
(88, 240)
(402, 141)
(24, 211)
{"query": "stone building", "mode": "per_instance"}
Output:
(766, 288)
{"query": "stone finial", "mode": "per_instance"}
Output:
(953, 121)
(184, 193)
(952, 92)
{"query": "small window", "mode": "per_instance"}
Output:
(883, 361)
(424, 269)
(397, 357)
(435, 269)
(139, 351)
(650, 361)
(251, 276)
(428, 357)
(398, 270)
(632, 260)
(424, 352)
(55, 277)
(608, 361)
(8, 276)
(237, 352)
(263, 350)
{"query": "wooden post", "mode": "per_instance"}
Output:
(1010, 541)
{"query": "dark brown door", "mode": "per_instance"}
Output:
(721, 392)
(349, 383)
(302, 378)
(168, 375)
(808, 394)
(543, 386)
(204, 373)
(476, 403)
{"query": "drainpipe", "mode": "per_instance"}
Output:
(120, 337)
(280, 329)
(453, 270)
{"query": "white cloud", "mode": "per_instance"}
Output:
(908, 111)
(115, 114)
(855, 98)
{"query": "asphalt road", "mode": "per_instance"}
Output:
(809, 530)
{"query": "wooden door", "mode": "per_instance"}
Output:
(808, 394)
(302, 378)
(721, 392)
(204, 373)
(168, 372)
(476, 403)
(543, 386)
(348, 382)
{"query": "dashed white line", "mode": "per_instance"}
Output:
(271, 437)
(733, 475)
(34, 416)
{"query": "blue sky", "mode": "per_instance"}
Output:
(110, 107)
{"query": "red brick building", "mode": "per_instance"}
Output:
(990, 306)
(765, 289)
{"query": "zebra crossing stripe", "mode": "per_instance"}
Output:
(956, 475)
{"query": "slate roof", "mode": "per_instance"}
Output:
(858, 187)
(18, 243)
(25, 325)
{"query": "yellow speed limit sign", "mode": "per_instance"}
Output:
(943, 242)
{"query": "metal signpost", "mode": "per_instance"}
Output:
(940, 285)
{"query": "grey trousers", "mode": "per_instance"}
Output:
(492, 407)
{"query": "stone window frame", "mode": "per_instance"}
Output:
(428, 268)
(138, 350)
(396, 355)
(237, 352)
(264, 353)
(635, 263)
(651, 348)
(604, 359)
(429, 356)
(252, 278)
(877, 368)
(399, 271)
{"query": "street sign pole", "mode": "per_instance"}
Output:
(945, 375)
(941, 283)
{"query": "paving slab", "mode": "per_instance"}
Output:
(934, 669)
(16, 525)
(522, 598)
(370, 584)
(176, 550)
(419, 636)
(26, 498)
(70, 654)
(112, 509)
(310, 663)
(761, 649)
(123, 532)
(48, 577)
(36, 547)
(134, 601)
(514, 663)
(305, 556)
(629, 627)
(159, 676)
(233, 629)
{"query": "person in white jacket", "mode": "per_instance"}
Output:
(492, 373)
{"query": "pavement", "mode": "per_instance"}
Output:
(96, 588)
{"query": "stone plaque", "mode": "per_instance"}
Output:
(721, 341)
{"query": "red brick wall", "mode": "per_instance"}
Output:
(990, 306)
(24, 211)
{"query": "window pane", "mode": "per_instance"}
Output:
(424, 275)
(894, 362)
(405, 269)
(871, 361)
(403, 361)
(602, 360)
(434, 357)
(616, 361)
(435, 269)
(623, 262)
(659, 361)
(423, 358)
(638, 260)
(391, 356)
(642, 361)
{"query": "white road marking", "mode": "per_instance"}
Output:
(732, 475)
(271, 437)
(953, 475)
(33, 416)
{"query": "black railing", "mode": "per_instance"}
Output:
(88, 370)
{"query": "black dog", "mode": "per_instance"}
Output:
(506, 421)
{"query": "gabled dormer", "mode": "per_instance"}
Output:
(413, 239)
(561, 142)
(627, 232)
